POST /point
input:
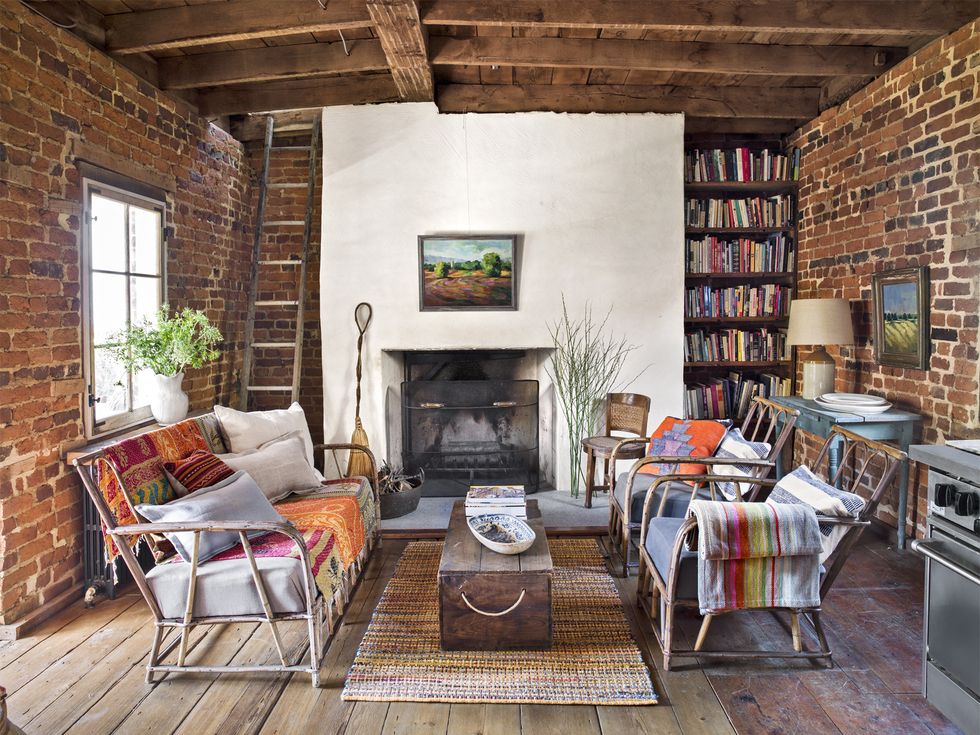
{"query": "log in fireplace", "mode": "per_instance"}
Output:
(465, 421)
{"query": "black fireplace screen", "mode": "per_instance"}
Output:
(471, 432)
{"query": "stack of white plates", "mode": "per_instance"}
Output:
(853, 403)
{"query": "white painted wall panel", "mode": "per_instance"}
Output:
(598, 200)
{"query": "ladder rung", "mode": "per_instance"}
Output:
(274, 344)
(289, 148)
(297, 261)
(277, 303)
(280, 222)
(288, 185)
(268, 387)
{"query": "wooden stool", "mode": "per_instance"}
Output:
(601, 447)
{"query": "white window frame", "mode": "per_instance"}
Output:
(139, 415)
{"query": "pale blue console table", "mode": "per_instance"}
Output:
(892, 426)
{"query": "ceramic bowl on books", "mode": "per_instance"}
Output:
(502, 533)
(866, 409)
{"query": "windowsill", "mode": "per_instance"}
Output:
(104, 440)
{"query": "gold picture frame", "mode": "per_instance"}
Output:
(901, 317)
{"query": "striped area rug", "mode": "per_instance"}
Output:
(594, 659)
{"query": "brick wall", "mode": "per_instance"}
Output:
(891, 179)
(54, 90)
(273, 366)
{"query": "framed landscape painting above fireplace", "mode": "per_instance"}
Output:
(467, 272)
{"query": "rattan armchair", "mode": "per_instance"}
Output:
(765, 421)
(665, 585)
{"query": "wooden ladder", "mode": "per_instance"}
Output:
(247, 386)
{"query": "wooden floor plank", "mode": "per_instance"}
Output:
(772, 703)
(300, 707)
(29, 699)
(234, 702)
(484, 719)
(548, 719)
(658, 720)
(10, 651)
(39, 658)
(416, 718)
(162, 706)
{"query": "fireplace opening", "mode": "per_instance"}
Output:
(465, 421)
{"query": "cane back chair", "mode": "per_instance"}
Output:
(765, 421)
(320, 614)
(668, 571)
(625, 412)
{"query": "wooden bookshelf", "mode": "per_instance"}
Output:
(704, 373)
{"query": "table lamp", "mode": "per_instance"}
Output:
(819, 322)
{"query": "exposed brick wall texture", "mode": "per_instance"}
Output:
(273, 366)
(54, 89)
(891, 179)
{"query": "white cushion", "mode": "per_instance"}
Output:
(801, 486)
(736, 446)
(278, 467)
(237, 498)
(250, 430)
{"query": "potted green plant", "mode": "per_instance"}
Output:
(167, 348)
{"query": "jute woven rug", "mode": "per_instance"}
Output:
(594, 659)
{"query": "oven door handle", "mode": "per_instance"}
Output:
(926, 548)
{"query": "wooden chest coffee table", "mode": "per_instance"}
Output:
(490, 601)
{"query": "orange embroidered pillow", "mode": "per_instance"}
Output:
(683, 438)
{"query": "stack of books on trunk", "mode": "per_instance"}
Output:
(507, 499)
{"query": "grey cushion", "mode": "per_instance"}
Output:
(226, 587)
(677, 500)
(659, 544)
(237, 498)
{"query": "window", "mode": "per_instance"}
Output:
(123, 282)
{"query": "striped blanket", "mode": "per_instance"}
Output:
(755, 555)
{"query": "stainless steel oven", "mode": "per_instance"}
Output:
(951, 636)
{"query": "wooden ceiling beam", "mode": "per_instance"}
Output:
(758, 102)
(873, 17)
(723, 58)
(275, 62)
(296, 94)
(235, 20)
(740, 125)
(252, 127)
(403, 39)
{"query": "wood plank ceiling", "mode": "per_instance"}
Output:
(744, 66)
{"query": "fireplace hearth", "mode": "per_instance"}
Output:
(464, 422)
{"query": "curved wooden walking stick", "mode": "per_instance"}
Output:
(358, 465)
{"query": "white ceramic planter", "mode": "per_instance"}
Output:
(169, 403)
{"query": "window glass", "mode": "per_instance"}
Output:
(124, 256)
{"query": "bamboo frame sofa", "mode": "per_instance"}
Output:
(285, 585)
(765, 421)
(671, 576)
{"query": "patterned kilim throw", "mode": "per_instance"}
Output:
(594, 659)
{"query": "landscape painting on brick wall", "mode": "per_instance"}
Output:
(467, 272)
(901, 317)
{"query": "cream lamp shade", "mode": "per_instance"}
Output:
(819, 322)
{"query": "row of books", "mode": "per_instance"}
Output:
(730, 397)
(765, 300)
(735, 345)
(506, 499)
(774, 211)
(713, 254)
(741, 164)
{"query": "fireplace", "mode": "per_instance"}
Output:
(467, 419)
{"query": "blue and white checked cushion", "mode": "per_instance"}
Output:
(803, 487)
(736, 446)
